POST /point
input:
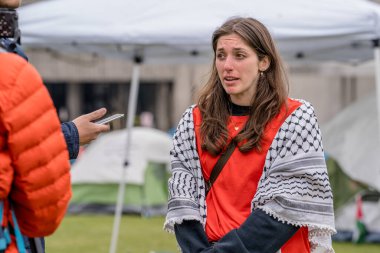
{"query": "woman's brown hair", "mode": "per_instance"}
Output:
(271, 92)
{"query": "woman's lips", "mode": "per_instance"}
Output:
(230, 80)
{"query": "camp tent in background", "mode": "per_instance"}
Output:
(346, 218)
(346, 192)
(352, 139)
(351, 142)
(344, 187)
(96, 173)
(148, 198)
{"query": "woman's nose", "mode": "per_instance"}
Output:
(228, 63)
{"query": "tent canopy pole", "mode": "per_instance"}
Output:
(376, 47)
(132, 102)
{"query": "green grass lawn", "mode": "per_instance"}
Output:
(82, 234)
(92, 234)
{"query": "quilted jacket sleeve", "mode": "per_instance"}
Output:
(41, 189)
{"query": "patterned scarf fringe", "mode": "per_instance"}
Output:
(321, 229)
(169, 224)
(317, 247)
(314, 231)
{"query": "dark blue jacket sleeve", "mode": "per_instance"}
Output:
(191, 236)
(70, 132)
(259, 233)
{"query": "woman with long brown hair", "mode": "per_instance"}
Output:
(248, 170)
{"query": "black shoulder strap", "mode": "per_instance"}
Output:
(12, 47)
(219, 165)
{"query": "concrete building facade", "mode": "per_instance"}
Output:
(167, 90)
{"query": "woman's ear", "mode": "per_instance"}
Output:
(264, 64)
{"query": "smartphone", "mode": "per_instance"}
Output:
(109, 119)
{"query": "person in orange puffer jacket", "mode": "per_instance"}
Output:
(34, 161)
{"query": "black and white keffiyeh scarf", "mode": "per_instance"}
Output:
(294, 186)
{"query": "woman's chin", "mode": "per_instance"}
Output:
(231, 91)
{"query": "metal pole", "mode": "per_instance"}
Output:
(36, 245)
(131, 115)
(376, 44)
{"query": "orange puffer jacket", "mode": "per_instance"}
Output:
(34, 165)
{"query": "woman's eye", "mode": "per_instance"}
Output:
(240, 56)
(220, 56)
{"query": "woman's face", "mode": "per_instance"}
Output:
(238, 68)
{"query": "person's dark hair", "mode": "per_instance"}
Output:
(271, 92)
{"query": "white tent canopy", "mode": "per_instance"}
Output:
(315, 30)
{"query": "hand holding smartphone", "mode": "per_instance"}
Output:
(109, 119)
